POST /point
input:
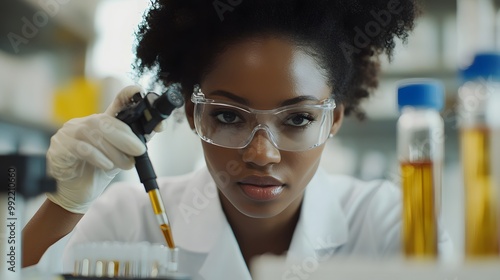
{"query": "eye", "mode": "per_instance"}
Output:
(299, 120)
(227, 117)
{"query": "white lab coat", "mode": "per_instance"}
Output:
(340, 216)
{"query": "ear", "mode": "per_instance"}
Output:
(189, 110)
(338, 117)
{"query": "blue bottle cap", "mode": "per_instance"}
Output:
(485, 66)
(422, 93)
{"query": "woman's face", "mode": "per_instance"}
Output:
(260, 180)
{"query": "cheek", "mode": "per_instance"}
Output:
(222, 162)
(302, 166)
(214, 156)
(303, 161)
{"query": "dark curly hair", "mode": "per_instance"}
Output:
(180, 39)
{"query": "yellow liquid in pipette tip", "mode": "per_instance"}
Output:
(159, 210)
(167, 232)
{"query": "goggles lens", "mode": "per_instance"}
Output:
(289, 128)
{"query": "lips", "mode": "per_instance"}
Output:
(261, 188)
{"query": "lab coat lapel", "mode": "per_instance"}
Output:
(203, 228)
(225, 262)
(322, 227)
(200, 218)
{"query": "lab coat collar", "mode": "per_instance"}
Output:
(203, 227)
(227, 261)
(322, 227)
(201, 219)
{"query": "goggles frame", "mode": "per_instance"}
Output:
(198, 97)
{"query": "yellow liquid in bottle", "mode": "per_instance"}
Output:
(419, 213)
(481, 221)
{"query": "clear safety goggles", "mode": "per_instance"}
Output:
(289, 128)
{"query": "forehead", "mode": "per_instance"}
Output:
(266, 71)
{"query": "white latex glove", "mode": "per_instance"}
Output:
(87, 153)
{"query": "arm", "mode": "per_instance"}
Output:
(50, 223)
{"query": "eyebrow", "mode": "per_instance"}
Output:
(244, 101)
(231, 96)
(299, 99)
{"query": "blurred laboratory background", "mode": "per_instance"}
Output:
(61, 59)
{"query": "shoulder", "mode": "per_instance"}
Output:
(355, 194)
(177, 186)
(172, 189)
(372, 211)
(376, 203)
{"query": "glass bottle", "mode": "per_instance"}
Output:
(478, 98)
(420, 137)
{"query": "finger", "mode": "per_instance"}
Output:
(61, 163)
(57, 154)
(116, 132)
(149, 136)
(161, 126)
(91, 154)
(122, 99)
(117, 157)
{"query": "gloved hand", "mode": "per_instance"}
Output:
(87, 153)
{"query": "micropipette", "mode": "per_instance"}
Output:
(143, 115)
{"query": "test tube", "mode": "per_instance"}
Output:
(420, 151)
(480, 86)
(127, 260)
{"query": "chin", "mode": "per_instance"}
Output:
(260, 210)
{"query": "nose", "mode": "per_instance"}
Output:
(261, 151)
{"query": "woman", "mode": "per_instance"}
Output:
(266, 82)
